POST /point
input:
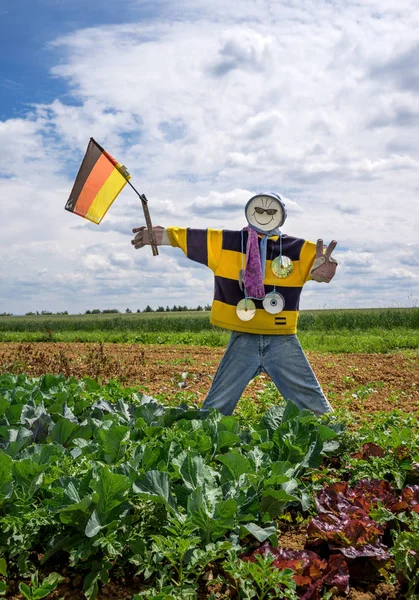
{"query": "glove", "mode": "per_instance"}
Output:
(324, 266)
(142, 237)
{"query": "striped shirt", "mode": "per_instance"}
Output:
(221, 251)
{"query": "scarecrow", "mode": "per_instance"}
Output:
(259, 273)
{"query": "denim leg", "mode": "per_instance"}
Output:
(285, 362)
(238, 366)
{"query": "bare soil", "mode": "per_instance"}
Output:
(362, 383)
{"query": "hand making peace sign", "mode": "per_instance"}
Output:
(324, 266)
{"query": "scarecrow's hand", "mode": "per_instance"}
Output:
(142, 237)
(324, 267)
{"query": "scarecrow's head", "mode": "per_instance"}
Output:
(265, 212)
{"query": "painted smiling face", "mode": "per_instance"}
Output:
(265, 212)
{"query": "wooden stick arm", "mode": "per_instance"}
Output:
(152, 238)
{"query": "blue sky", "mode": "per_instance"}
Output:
(26, 29)
(207, 102)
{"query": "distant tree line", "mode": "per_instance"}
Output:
(175, 308)
(107, 311)
(149, 309)
(45, 312)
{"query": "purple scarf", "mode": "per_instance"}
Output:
(253, 277)
(256, 262)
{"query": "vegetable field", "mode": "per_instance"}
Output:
(114, 486)
(106, 493)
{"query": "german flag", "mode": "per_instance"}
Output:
(98, 182)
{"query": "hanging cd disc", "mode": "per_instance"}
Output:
(282, 266)
(246, 309)
(273, 303)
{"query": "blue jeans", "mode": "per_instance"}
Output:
(281, 357)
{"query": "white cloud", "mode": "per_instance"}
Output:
(357, 260)
(402, 274)
(96, 262)
(216, 203)
(243, 49)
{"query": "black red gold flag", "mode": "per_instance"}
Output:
(98, 183)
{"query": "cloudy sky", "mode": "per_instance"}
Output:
(207, 102)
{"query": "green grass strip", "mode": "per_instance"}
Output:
(191, 321)
(378, 340)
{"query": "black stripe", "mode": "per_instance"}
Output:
(196, 245)
(232, 240)
(93, 153)
(97, 144)
(229, 292)
(291, 246)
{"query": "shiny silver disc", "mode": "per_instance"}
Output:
(246, 309)
(273, 303)
(282, 266)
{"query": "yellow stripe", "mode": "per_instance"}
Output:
(214, 246)
(307, 256)
(225, 316)
(106, 195)
(232, 263)
(177, 237)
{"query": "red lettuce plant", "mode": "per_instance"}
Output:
(343, 525)
(368, 450)
(348, 542)
(311, 572)
(409, 500)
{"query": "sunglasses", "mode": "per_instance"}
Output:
(269, 211)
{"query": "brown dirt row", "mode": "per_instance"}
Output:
(362, 383)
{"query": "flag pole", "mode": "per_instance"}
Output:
(144, 203)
